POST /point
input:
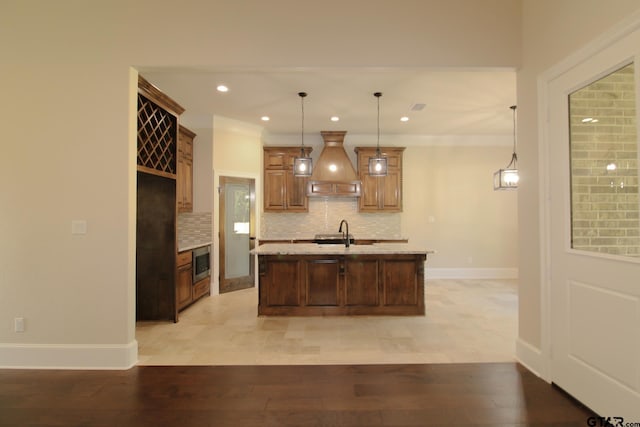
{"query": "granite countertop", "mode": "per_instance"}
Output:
(316, 249)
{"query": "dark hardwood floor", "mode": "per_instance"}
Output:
(488, 394)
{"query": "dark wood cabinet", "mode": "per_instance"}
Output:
(312, 285)
(184, 281)
(284, 192)
(380, 193)
(201, 288)
(362, 286)
(184, 178)
(279, 292)
(322, 281)
(157, 133)
(188, 292)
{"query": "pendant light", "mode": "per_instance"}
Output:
(378, 164)
(303, 165)
(507, 178)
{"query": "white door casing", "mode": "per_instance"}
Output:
(593, 300)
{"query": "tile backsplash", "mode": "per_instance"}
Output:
(324, 216)
(193, 228)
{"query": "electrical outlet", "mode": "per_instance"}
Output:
(18, 324)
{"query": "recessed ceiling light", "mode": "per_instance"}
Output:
(587, 120)
(404, 119)
(222, 88)
(335, 118)
(265, 118)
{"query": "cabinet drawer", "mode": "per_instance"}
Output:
(201, 287)
(183, 258)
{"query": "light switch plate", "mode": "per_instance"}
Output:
(78, 226)
(18, 324)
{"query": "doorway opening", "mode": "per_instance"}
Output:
(237, 233)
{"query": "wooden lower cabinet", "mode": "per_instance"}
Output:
(317, 285)
(188, 292)
(361, 283)
(322, 282)
(184, 285)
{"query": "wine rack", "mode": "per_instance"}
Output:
(157, 137)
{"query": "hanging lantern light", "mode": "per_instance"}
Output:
(378, 164)
(303, 165)
(507, 178)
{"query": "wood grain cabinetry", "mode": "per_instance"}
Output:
(184, 279)
(284, 192)
(188, 292)
(380, 193)
(312, 285)
(157, 134)
(157, 130)
(184, 180)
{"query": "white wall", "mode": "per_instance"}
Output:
(237, 152)
(552, 30)
(450, 206)
(68, 120)
(203, 170)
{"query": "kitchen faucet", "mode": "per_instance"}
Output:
(346, 239)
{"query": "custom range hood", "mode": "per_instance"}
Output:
(333, 174)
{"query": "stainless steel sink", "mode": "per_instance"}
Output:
(331, 239)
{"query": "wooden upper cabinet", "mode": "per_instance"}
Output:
(284, 192)
(384, 193)
(157, 130)
(184, 184)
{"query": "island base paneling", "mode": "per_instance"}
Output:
(332, 285)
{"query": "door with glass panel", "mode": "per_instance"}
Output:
(237, 233)
(594, 247)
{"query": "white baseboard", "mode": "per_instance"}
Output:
(471, 273)
(532, 358)
(68, 356)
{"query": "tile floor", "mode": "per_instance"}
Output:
(466, 321)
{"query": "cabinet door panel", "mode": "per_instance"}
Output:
(392, 188)
(184, 285)
(187, 203)
(323, 278)
(274, 189)
(296, 191)
(180, 190)
(369, 196)
(361, 282)
(281, 284)
(400, 283)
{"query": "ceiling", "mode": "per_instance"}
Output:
(457, 102)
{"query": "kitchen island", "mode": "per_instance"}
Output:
(317, 280)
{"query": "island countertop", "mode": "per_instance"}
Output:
(319, 249)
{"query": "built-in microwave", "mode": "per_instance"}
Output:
(201, 263)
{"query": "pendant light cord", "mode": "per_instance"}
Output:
(302, 95)
(514, 156)
(378, 95)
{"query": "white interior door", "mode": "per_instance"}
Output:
(594, 230)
